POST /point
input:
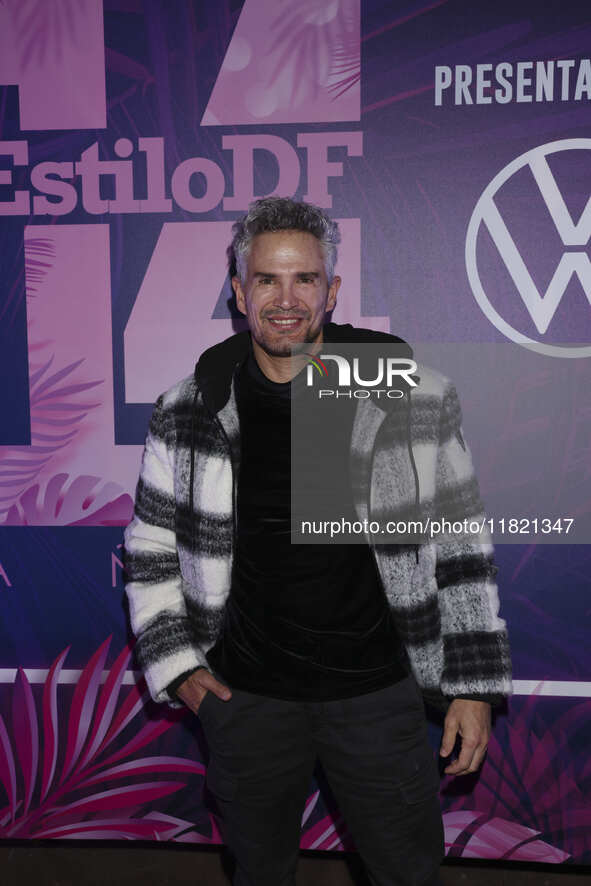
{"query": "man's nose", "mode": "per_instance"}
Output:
(286, 297)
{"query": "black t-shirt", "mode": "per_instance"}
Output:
(302, 621)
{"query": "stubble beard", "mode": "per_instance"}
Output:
(284, 348)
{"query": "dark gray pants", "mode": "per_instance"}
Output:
(376, 757)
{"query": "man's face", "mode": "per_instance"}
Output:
(286, 292)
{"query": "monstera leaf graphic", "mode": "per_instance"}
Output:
(468, 834)
(88, 779)
(472, 834)
(523, 782)
(64, 501)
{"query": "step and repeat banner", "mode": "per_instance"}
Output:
(453, 142)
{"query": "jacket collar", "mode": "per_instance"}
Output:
(216, 366)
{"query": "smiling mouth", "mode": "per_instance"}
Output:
(286, 323)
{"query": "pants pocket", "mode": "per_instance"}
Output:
(421, 785)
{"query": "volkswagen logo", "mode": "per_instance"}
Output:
(574, 261)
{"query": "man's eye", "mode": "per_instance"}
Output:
(266, 280)
(306, 279)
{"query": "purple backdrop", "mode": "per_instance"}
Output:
(452, 140)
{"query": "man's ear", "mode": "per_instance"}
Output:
(332, 293)
(239, 293)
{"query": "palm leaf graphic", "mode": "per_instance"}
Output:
(145, 765)
(56, 411)
(527, 804)
(106, 705)
(530, 794)
(534, 778)
(117, 798)
(55, 419)
(327, 833)
(50, 766)
(309, 807)
(109, 828)
(27, 746)
(82, 707)
(319, 45)
(42, 30)
(50, 726)
(7, 771)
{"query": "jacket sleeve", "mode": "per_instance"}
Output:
(166, 647)
(476, 656)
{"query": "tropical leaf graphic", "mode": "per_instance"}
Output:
(39, 255)
(86, 775)
(329, 833)
(58, 775)
(528, 803)
(59, 403)
(467, 833)
(346, 58)
(315, 44)
(532, 784)
(56, 415)
(42, 29)
(77, 501)
(472, 834)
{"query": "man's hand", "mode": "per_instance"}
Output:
(470, 720)
(195, 687)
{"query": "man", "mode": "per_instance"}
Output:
(290, 653)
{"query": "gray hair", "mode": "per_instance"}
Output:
(282, 214)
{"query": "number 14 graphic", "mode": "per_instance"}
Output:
(71, 360)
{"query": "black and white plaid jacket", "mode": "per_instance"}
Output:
(179, 545)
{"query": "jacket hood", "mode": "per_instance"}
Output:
(215, 367)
